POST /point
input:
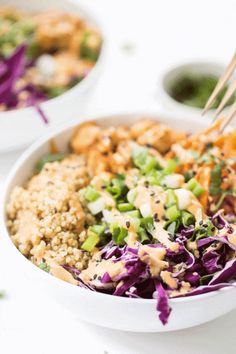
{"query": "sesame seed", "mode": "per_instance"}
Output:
(128, 224)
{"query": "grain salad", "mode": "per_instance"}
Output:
(43, 54)
(135, 211)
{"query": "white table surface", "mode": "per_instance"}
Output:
(158, 33)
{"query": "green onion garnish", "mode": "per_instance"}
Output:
(117, 187)
(172, 213)
(131, 195)
(119, 234)
(134, 214)
(125, 207)
(44, 266)
(195, 187)
(171, 198)
(147, 223)
(170, 167)
(187, 218)
(91, 241)
(143, 160)
(143, 236)
(91, 194)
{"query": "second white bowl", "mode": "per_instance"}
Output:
(20, 127)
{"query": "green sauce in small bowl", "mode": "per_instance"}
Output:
(194, 91)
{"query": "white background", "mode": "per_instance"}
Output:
(158, 34)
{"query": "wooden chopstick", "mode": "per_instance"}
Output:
(228, 117)
(229, 93)
(221, 83)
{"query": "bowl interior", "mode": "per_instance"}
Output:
(25, 165)
(194, 69)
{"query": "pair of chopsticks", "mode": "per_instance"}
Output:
(229, 93)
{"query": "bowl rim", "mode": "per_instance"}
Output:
(37, 145)
(89, 16)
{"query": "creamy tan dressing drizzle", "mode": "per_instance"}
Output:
(163, 237)
(154, 196)
(61, 273)
(154, 257)
(98, 269)
(185, 288)
(232, 238)
(168, 279)
(98, 181)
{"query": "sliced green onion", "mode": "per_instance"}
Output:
(143, 236)
(195, 187)
(91, 194)
(97, 206)
(147, 223)
(172, 213)
(91, 241)
(134, 214)
(150, 164)
(117, 187)
(172, 227)
(119, 234)
(187, 218)
(131, 195)
(143, 160)
(170, 167)
(198, 190)
(125, 207)
(192, 183)
(97, 229)
(154, 178)
(171, 198)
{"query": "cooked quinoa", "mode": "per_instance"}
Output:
(140, 211)
(46, 219)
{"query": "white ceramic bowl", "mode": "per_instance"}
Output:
(137, 315)
(171, 75)
(20, 127)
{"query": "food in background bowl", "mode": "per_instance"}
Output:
(133, 211)
(43, 54)
(195, 91)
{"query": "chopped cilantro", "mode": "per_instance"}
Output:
(216, 178)
(44, 266)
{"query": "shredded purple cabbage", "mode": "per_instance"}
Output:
(207, 270)
(11, 70)
(162, 303)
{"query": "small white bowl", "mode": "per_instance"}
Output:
(138, 315)
(20, 127)
(171, 75)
